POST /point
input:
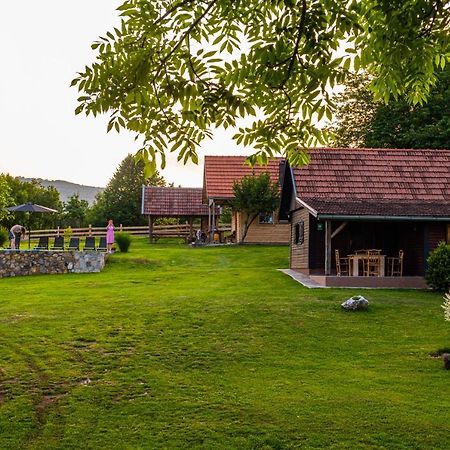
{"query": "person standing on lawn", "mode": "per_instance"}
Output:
(15, 234)
(110, 235)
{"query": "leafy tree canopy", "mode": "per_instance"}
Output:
(34, 192)
(5, 196)
(121, 199)
(175, 69)
(254, 195)
(354, 113)
(361, 122)
(75, 211)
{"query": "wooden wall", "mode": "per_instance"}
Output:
(299, 255)
(276, 233)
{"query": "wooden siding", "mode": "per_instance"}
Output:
(276, 233)
(300, 252)
(437, 233)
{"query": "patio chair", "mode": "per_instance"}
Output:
(102, 244)
(343, 265)
(74, 244)
(58, 243)
(89, 244)
(372, 263)
(395, 265)
(42, 244)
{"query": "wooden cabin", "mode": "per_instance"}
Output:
(220, 173)
(350, 200)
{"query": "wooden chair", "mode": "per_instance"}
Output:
(395, 265)
(372, 263)
(343, 265)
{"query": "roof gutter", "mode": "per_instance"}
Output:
(391, 218)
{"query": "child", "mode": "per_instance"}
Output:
(110, 235)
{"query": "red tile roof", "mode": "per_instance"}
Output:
(376, 182)
(222, 171)
(173, 202)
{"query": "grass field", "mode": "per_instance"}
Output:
(212, 348)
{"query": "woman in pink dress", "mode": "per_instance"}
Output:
(110, 235)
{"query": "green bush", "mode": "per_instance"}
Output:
(3, 236)
(68, 233)
(123, 241)
(438, 272)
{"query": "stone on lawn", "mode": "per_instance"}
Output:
(446, 358)
(355, 303)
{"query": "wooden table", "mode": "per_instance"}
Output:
(361, 257)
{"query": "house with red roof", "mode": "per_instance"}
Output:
(220, 173)
(351, 199)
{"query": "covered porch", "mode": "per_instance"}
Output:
(338, 251)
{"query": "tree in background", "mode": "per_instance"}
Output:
(401, 125)
(176, 69)
(354, 113)
(121, 199)
(5, 197)
(361, 122)
(254, 195)
(33, 192)
(75, 211)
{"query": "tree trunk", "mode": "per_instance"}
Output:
(247, 226)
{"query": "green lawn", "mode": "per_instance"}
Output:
(212, 348)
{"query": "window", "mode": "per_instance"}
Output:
(266, 218)
(299, 233)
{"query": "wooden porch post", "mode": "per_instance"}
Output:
(191, 229)
(150, 228)
(328, 247)
(212, 221)
(209, 219)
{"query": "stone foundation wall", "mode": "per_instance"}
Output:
(21, 263)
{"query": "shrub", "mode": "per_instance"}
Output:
(68, 233)
(123, 241)
(4, 236)
(438, 272)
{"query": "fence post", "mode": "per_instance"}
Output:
(121, 228)
(57, 231)
(90, 230)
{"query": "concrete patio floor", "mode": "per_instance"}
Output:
(323, 281)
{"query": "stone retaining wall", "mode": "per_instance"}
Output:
(21, 263)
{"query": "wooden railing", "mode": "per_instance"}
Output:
(160, 230)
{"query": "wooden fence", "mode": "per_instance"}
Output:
(159, 230)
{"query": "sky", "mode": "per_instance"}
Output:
(43, 44)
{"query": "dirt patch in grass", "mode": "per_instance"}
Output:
(46, 402)
(139, 262)
(2, 386)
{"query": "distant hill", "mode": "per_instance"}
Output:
(67, 189)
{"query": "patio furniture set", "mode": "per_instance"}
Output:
(369, 263)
